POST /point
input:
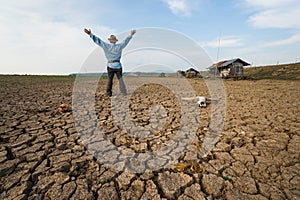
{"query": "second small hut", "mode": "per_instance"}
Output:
(190, 73)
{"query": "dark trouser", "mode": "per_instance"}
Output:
(110, 73)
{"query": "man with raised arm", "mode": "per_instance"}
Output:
(113, 53)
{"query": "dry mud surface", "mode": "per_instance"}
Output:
(44, 155)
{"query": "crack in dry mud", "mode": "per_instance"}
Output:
(42, 155)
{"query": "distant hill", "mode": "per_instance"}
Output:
(155, 74)
(284, 72)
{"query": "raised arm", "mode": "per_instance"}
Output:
(87, 31)
(126, 41)
(94, 37)
(133, 32)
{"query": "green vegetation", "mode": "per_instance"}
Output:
(283, 72)
(226, 178)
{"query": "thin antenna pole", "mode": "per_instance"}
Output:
(218, 52)
(219, 47)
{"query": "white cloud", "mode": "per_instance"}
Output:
(228, 41)
(179, 7)
(259, 54)
(291, 40)
(260, 4)
(277, 18)
(41, 40)
(274, 13)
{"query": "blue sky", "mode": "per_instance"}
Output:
(46, 36)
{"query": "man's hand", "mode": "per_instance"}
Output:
(87, 31)
(133, 32)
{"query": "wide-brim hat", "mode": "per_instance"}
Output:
(113, 38)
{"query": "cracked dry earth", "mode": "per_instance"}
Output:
(42, 154)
